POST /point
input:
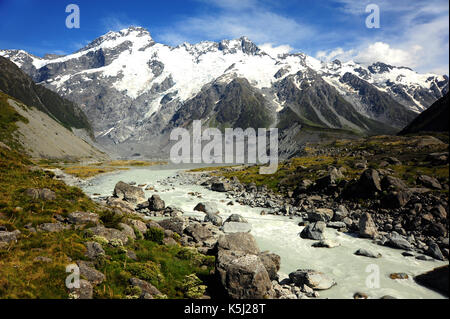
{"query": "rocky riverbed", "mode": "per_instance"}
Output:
(318, 242)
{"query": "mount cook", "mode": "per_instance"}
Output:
(134, 91)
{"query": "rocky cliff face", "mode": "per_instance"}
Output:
(134, 90)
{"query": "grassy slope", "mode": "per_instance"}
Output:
(23, 277)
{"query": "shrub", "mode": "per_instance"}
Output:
(155, 234)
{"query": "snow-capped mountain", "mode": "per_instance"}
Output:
(134, 90)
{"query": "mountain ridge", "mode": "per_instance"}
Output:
(131, 87)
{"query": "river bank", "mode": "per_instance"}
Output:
(280, 234)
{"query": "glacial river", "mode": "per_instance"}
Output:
(280, 235)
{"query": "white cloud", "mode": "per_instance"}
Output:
(257, 22)
(418, 38)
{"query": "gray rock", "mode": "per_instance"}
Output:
(198, 232)
(40, 193)
(208, 208)
(109, 233)
(146, 288)
(52, 227)
(127, 230)
(156, 203)
(313, 279)
(242, 275)
(326, 244)
(232, 227)
(321, 214)
(367, 253)
(139, 225)
(175, 224)
(367, 228)
(221, 187)
(236, 219)
(314, 231)
(94, 276)
(129, 193)
(369, 182)
(272, 263)
(216, 220)
(8, 237)
(429, 182)
(238, 242)
(83, 218)
(395, 240)
(85, 291)
(434, 251)
(94, 250)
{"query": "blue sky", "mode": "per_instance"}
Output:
(412, 33)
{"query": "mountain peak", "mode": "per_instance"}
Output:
(113, 38)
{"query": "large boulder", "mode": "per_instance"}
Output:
(156, 204)
(429, 182)
(175, 224)
(367, 227)
(94, 276)
(85, 291)
(220, 187)
(129, 193)
(272, 262)
(313, 279)
(94, 250)
(242, 275)
(148, 291)
(83, 218)
(321, 214)
(110, 234)
(233, 227)
(395, 240)
(215, 219)
(198, 232)
(238, 242)
(369, 182)
(367, 253)
(207, 208)
(314, 231)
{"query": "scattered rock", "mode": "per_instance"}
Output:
(83, 218)
(313, 279)
(94, 250)
(367, 253)
(236, 219)
(40, 193)
(326, 244)
(94, 276)
(129, 193)
(272, 262)
(156, 203)
(314, 231)
(85, 291)
(220, 187)
(360, 295)
(367, 228)
(148, 290)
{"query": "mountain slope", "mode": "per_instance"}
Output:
(434, 119)
(134, 90)
(17, 84)
(39, 135)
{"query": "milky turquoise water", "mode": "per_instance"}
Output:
(280, 235)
